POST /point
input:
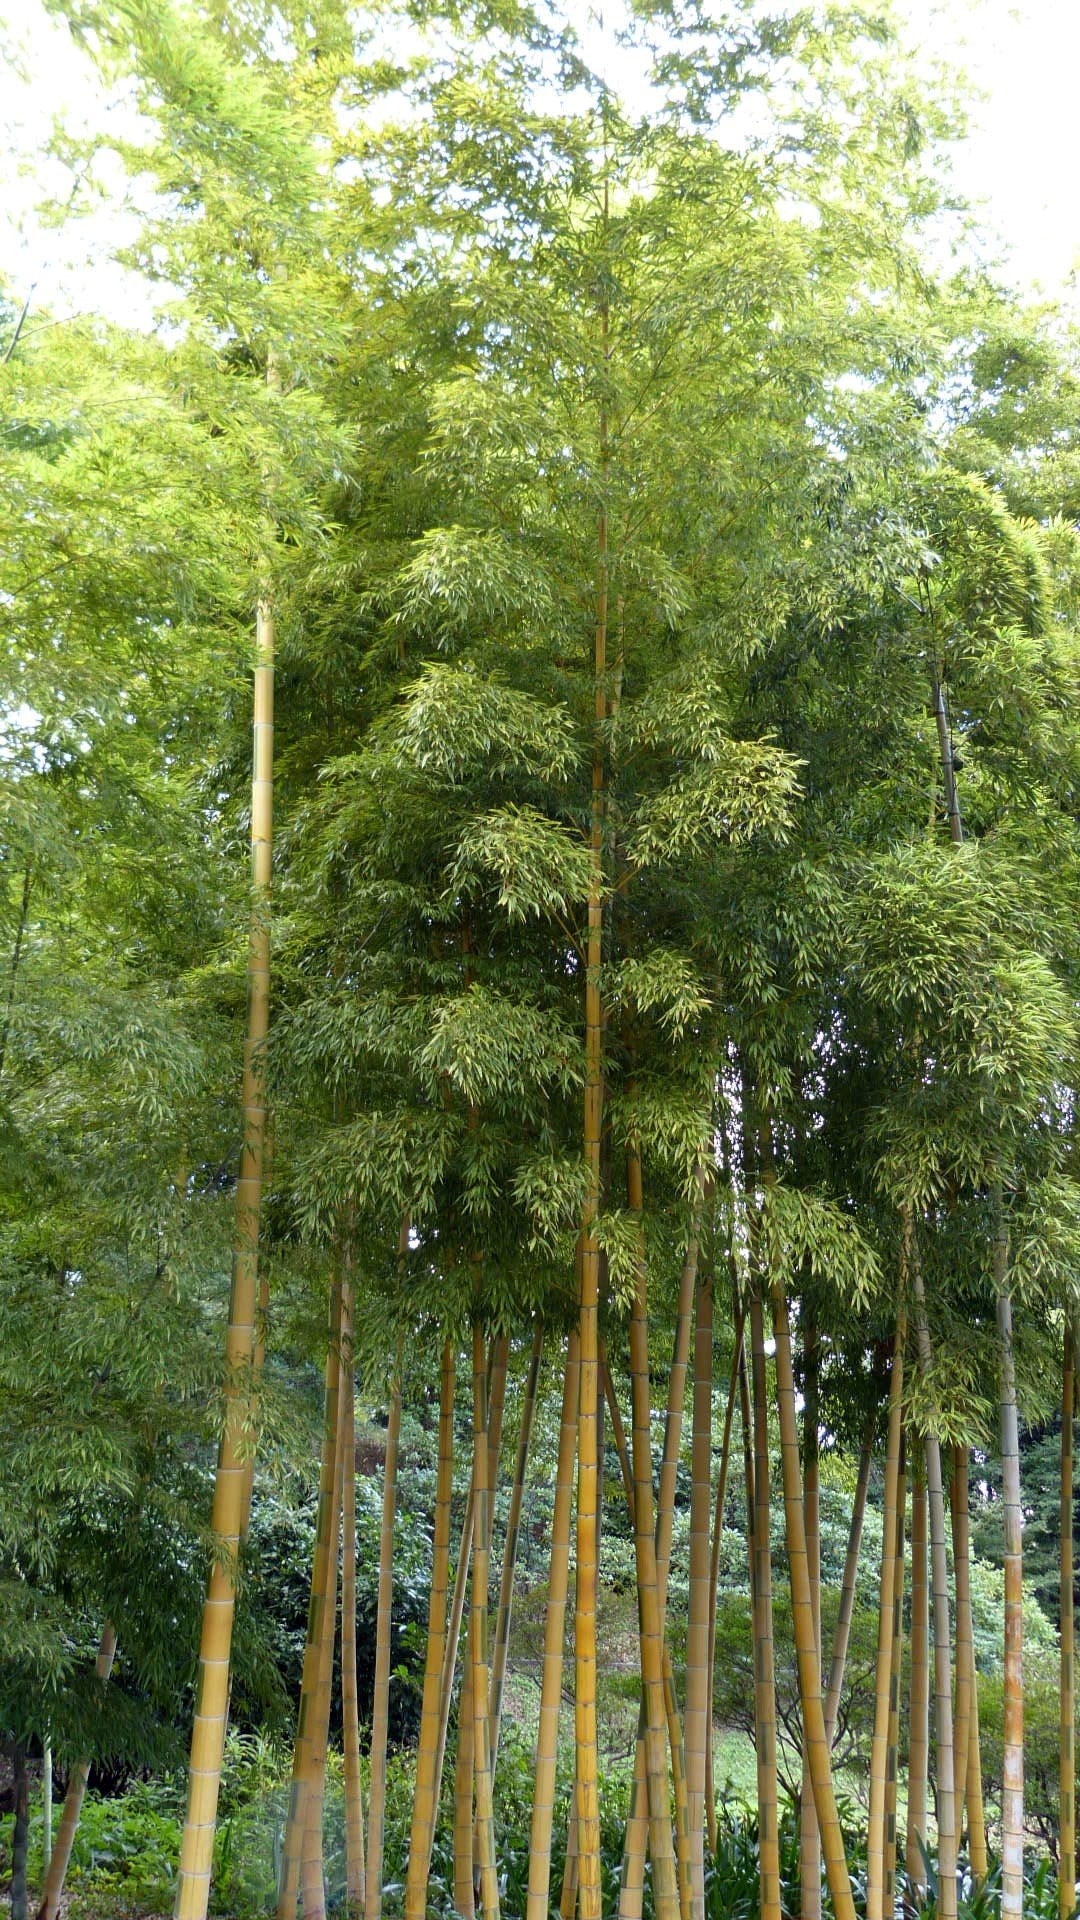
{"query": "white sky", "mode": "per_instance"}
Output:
(1019, 162)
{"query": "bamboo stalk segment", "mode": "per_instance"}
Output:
(875, 1844)
(74, 1797)
(383, 1628)
(714, 1577)
(892, 1756)
(547, 1740)
(919, 1710)
(425, 1799)
(513, 1529)
(698, 1672)
(1067, 1728)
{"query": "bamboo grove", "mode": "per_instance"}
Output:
(654, 587)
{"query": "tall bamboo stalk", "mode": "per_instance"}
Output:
(875, 1842)
(919, 1710)
(714, 1577)
(306, 1761)
(547, 1739)
(510, 1547)
(464, 1778)
(1067, 1733)
(649, 1615)
(939, 1597)
(350, 1716)
(892, 1757)
(228, 1515)
(73, 1798)
(425, 1798)
(453, 1636)
(842, 1630)
(965, 1643)
(481, 1677)
(631, 1893)
(698, 1672)
(1012, 1792)
(312, 1882)
(813, 1713)
(764, 1663)
(383, 1633)
(809, 1837)
(975, 1808)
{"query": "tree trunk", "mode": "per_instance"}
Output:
(350, 1718)
(321, 1605)
(1067, 1742)
(464, 1773)
(939, 1593)
(73, 1798)
(228, 1517)
(481, 1677)
(698, 1671)
(976, 1812)
(764, 1669)
(813, 1713)
(453, 1637)
(847, 1585)
(919, 1711)
(383, 1637)
(547, 1739)
(425, 1799)
(875, 1842)
(893, 1751)
(513, 1528)
(714, 1577)
(809, 1837)
(1012, 1796)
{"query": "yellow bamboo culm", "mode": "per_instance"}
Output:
(464, 1760)
(73, 1798)
(809, 1837)
(425, 1799)
(875, 1843)
(1067, 1726)
(306, 1756)
(892, 1757)
(965, 1643)
(513, 1530)
(813, 1714)
(312, 1882)
(1012, 1791)
(481, 1677)
(350, 1716)
(919, 1709)
(769, 1903)
(714, 1579)
(383, 1635)
(547, 1739)
(698, 1671)
(231, 1486)
(842, 1629)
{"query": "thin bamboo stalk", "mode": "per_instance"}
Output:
(513, 1529)
(764, 1666)
(350, 1716)
(813, 1715)
(714, 1578)
(464, 1774)
(312, 1884)
(547, 1739)
(976, 1810)
(893, 1753)
(453, 1636)
(383, 1630)
(650, 1628)
(842, 1630)
(919, 1710)
(939, 1597)
(965, 1645)
(1067, 1727)
(228, 1515)
(425, 1799)
(809, 1837)
(632, 1885)
(1012, 1792)
(481, 1677)
(305, 1749)
(73, 1798)
(698, 1671)
(875, 1843)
